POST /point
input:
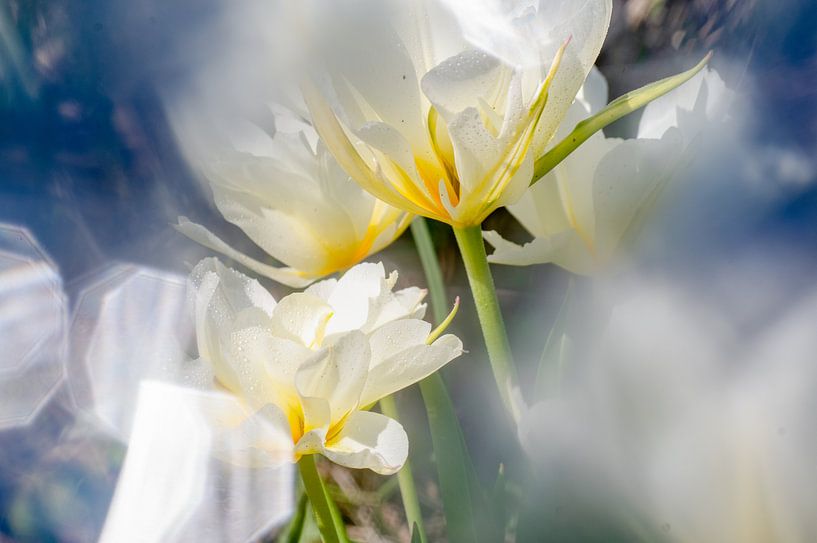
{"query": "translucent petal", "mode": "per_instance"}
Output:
(369, 440)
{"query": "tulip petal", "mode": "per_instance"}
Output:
(301, 317)
(564, 249)
(352, 296)
(407, 366)
(586, 28)
(393, 337)
(220, 296)
(203, 236)
(337, 374)
(369, 440)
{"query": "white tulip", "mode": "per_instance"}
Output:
(431, 123)
(588, 205)
(292, 199)
(314, 361)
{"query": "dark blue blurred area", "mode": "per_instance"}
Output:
(89, 165)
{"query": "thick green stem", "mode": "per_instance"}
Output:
(454, 470)
(472, 249)
(408, 491)
(330, 522)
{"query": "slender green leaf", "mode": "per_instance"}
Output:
(296, 525)
(417, 535)
(615, 110)
(405, 477)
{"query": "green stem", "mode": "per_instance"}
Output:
(330, 522)
(472, 249)
(408, 491)
(454, 470)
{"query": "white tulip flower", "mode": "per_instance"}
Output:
(314, 361)
(590, 203)
(291, 198)
(431, 122)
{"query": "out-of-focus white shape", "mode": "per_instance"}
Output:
(128, 325)
(520, 32)
(173, 487)
(33, 327)
(693, 411)
(595, 200)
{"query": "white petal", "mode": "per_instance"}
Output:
(265, 367)
(462, 80)
(392, 306)
(337, 373)
(323, 289)
(408, 366)
(625, 183)
(201, 235)
(352, 297)
(222, 295)
(394, 337)
(369, 440)
(372, 70)
(703, 98)
(287, 237)
(586, 27)
(301, 317)
(565, 249)
(594, 92)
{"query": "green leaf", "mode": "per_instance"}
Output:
(549, 373)
(615, 110)
(416, 534)
(455, 472)
(296, 525)
(405, 478)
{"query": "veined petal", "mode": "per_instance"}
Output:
(369, 440)
(408, 366)
(203, 236)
